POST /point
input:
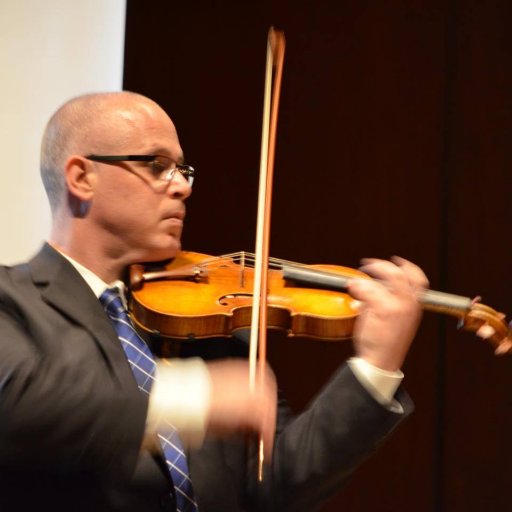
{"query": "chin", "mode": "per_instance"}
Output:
(163, 252)
(156, 246)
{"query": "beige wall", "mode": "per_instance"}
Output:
(49, 51)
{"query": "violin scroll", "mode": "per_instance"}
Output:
(490, 325)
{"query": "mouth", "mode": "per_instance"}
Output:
(175, 215)
(173, 222)
(173, 225)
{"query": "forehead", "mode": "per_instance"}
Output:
(143, 127)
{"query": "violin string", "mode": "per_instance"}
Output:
(441, 299)
(277, 263)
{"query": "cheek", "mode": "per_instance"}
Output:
(125, 209)
(139, 215)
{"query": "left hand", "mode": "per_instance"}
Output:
(390, 311)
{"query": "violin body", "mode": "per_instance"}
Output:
(200, 296)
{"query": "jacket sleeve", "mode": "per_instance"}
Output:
(316, 451)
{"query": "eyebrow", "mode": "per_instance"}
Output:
(164, 152)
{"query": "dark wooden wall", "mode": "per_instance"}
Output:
(394, 138)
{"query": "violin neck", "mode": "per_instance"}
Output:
(438, 302)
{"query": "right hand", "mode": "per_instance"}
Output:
(234, 407)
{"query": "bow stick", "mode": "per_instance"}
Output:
(258, 339)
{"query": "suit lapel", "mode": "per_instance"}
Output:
(64, 289)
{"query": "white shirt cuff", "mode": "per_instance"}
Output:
(180, 397)
(381, 384)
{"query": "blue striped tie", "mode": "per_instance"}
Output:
(143, 368)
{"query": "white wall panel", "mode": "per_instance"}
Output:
(50, 51)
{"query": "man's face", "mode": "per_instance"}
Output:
(137, 219)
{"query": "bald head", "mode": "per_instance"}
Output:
(92, 123)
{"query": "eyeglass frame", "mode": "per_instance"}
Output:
(187, 171)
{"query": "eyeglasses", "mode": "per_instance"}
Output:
(163, 169)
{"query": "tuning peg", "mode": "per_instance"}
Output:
(486, 331)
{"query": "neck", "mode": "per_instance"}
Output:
(94, 252)
(105, 269)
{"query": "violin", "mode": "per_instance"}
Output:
(199, 296)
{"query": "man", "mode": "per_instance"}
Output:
(77, 433)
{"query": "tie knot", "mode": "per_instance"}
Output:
(112, 302)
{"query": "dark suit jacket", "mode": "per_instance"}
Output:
(72, 418)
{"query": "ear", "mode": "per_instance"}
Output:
(79, 178)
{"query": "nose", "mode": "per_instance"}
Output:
(179, 187)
